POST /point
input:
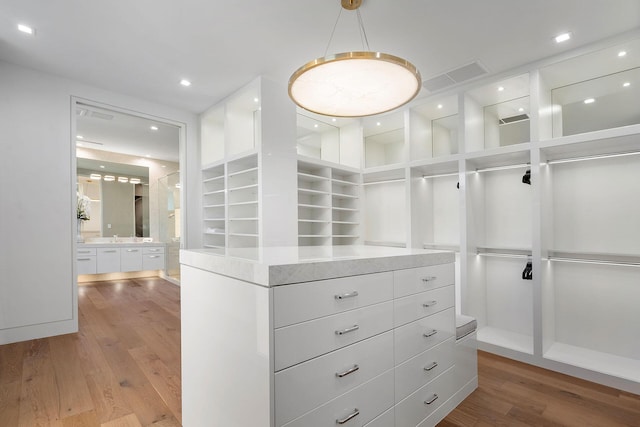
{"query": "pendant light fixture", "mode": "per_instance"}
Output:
(354, 84)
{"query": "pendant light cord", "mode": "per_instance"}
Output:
(363, 34)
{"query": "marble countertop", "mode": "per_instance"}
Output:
(295, 264)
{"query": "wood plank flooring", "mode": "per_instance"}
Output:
(122, 369)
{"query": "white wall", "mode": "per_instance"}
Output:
(38, 294)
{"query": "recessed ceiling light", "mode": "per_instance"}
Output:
(153, 127)
(589, 101)
(334, 119)
(563, 37)
(80, 137)
(26, 29)
(256, 100)
(500, 89)
(622, 53)
(315, 126)
(378, 123)
(101, 166)
(185, 82)
(147, 155)
(626, 84)
(521, 109)
(439, 106)
(123, 179)
(109, 178)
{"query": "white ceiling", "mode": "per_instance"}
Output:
(144, 47)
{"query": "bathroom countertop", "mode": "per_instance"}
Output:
(294, 264)
(118, 244)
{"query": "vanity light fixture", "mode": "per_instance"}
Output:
(185, 82)
(109, 178)
(135, 181)
(354, 84)
(95, 176)
(26, 29)
(123, 179)
(589, 101)
(563, 37)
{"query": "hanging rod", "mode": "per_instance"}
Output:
(593, 157)
(384, 182)
(441, 175)
(498, 168)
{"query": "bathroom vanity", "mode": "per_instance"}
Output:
(117, 257)
(321, 336)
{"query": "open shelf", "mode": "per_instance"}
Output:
(505, 339)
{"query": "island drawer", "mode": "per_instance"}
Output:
(354, 408)
(419, 405)
(303, 341)
(152, 250)
(414, 280)
(423, 368)
(416, 337)
(311, 300)
(417, 306)
(308, 385)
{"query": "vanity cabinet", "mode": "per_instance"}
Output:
(102, 258)
(342, 335)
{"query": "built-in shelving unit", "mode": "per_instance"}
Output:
(328, 204)
(530, 177)
(243, 203)
(214, 206)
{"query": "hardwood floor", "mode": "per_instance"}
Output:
(123, 369)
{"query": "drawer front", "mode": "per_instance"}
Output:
(153, 262)
(307, 301)
(385, 420)
(414, 280)
(417, 306)
(419, 405)
(303, 341)
(82, 252)
(416, 337)
(153, 250)
(108, 260)
(367, 401)
(130, 259)
(420, 370)
(86, 264)
(330, 375)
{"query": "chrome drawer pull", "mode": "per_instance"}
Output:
(84, 259)
(347, 330)
(354, 414)
(347, 372)
(430, 334)
(433, 399)
(430, 367)
(132, 250)
(154, 256)
(84, 252)
(429, 304)
(109, 252)
(429, 278)
(347, 295)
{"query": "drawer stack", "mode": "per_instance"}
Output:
(347, 350)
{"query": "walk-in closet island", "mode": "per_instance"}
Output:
(321, 335)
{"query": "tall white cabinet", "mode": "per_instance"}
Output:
(530, 177)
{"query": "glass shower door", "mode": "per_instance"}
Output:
(170, 221)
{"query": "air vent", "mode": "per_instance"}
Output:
(102, 116)
(459, 75)
(513, 119)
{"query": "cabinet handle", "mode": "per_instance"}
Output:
(347, 372)
(347, 295)
(347, 330)
(84, 259)
(154, 256)
(431, 333)
(354, 414)
(132, 250)
(429, 279)
(109, 252)
(84, 252)
(431, 367)
(429, 304)
(433, 399)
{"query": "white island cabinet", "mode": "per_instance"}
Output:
(318, 336)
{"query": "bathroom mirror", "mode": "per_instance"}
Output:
(119, 198)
